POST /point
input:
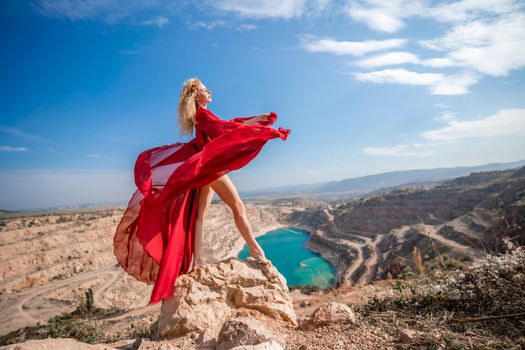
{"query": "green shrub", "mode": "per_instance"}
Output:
(78, 329)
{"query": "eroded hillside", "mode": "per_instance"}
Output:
(458, 221)
(48, 261)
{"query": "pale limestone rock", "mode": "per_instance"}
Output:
(326, 313)
(205, 298)
(246, 331)
(56, 344)
(169, 347)
(269, 345)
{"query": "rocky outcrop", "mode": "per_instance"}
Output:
(247, 331)
(380, 214)
(49, 260)
(269, 345)
(457, 221)
(328, 313)
(216, 293)
(340, 256)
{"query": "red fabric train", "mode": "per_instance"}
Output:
(154, 240)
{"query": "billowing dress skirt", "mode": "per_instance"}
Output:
(154, 241)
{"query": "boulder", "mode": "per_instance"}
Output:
(270, 345)
(246, 331)
(205, 298)
(326, 313)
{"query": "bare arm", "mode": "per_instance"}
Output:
(264, 118)
(256, 119)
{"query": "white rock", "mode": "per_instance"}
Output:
(270, 345)
(246, 331)
(205, 298)
(326, 313)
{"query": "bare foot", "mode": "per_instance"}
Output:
(257, 253)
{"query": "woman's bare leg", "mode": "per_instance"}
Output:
(228, 193)
(204, 198)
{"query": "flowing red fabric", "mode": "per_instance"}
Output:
(154, 241)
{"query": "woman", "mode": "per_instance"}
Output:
(162, 226)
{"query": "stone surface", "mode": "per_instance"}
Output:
(246, 331)
(270, 345)
(205, 298)
(327, 313)
(56, 344)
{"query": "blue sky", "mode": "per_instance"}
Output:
(365, 87)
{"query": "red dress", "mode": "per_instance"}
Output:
(154, 240)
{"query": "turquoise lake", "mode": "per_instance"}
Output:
(285, 247)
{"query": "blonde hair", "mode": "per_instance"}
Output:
(187, 106)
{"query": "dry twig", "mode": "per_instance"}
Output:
(486, 318)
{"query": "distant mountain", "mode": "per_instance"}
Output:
(61, 208)
(360, 185)
(458, 220)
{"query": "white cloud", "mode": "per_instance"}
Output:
(377, 20)
(493, 48)
(285, 9)
(136, 12)
(210, 25)
(128, 52)
(486, 37)
(390, 16)
(244, 27)
(470, 9)
(441, 105)
(400, 76)
(398, 150)
(158, 12)
(158, 21)
(389, 59)
(355, 48)
(71, 9)
(383, 16)
(454, 84)
(441, 62)
(403, 57)
(93, 155)
(504, 122)
(419, 145)
(445, 117)
(12, 149)
(439, 84)
(28, 137)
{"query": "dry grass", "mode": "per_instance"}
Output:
(418, 262)
(481, 306)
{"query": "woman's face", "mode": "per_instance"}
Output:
(203, 95)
